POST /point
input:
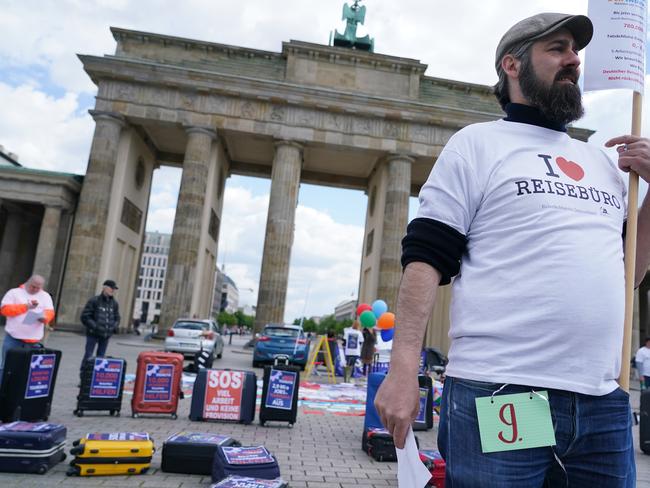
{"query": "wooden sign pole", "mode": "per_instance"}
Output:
(630, 250)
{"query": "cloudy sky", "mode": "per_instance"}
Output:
(46, 95)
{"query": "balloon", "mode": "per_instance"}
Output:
(362, 308)
(367, 319)
(387, 334)
(386, 321)
(379, 307)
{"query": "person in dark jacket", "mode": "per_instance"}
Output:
(100, 317)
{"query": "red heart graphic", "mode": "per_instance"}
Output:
(570, 168)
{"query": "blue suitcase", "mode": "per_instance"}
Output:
(246, 482)
(251, 461)
(223, 395)
(31, 447)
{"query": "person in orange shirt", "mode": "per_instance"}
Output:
(28, 310)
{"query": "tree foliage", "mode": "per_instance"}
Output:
(326, 324)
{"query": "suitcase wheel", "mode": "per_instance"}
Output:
(262, 423)
(115, 413)
(290, 425)
(72, 471)
(42, 469)
(144, 470)
(174, 416)
(76, 450)
(79, 413)
(133, 415)
(77, 442)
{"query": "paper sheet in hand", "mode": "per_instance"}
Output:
(411, 472)
(32, 318)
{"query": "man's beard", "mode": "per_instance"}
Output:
(560, 103)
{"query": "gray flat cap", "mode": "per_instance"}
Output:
(540, 25)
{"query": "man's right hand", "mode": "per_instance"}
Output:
(397, 403)
(32, 304)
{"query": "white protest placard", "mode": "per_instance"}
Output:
(615, 57)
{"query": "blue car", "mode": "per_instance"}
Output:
(289, 340)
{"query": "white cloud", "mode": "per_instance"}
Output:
(45, 131)
(325, 255)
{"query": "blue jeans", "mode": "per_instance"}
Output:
(593, 435)
(9, 342)
(91, 342)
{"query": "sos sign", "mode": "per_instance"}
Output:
(223, 395)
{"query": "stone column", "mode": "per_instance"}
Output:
(47, 238)
(395, 221)
(184, 246)
(274, 276)
(88, 233)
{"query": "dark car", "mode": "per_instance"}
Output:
(289, 340)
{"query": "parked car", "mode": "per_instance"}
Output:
(278, 339)
(189, 336)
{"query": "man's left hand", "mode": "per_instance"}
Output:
(633, 154)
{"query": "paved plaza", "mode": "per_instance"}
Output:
(321, 450)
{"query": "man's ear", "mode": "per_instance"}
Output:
(511, 66)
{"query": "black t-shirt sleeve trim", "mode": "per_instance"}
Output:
(435, 243)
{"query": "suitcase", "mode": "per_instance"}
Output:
(436, 465)
(379, 444)
(644, 422)
(224, 396)
(31, 447)
(250, 461)
(192, 452)
(245, 482)
(119, 453)
(102, 382)
(424, 419)
(28, 381)
(280, 392)
(157, 383)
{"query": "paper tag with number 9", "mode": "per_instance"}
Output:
(511, 422)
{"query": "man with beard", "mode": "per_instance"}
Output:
(531, 224)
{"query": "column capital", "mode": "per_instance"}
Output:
(208, 131)
(288, 142)
(401, 156)
(112, 116)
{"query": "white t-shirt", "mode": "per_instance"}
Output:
(642, 360)
(353, 340)
(539, 299)
(16, 325)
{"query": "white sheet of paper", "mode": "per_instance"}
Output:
(411, 472)
(32, 317)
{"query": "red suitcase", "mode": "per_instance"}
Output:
(436, 465)
(157, 383)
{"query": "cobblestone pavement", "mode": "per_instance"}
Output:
(319, 451)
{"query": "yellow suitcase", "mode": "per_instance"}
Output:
(119, 453)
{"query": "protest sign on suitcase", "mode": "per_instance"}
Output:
(157, 383)
(102, 384)
(224, 395)
(28, 381)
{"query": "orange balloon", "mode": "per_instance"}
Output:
(386, 321)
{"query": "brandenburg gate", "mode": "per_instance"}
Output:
(311, 113)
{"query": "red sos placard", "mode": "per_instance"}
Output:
(223, 394)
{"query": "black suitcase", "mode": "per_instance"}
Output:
(246, 482)
(379, 444)
(424, 419)
(31, 447)
(192, 452)
(224, 395)
(644, 422)
(250, 461)
(28, 381)
(102, 383)
(280, 392)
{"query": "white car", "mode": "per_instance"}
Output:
(189, 336)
